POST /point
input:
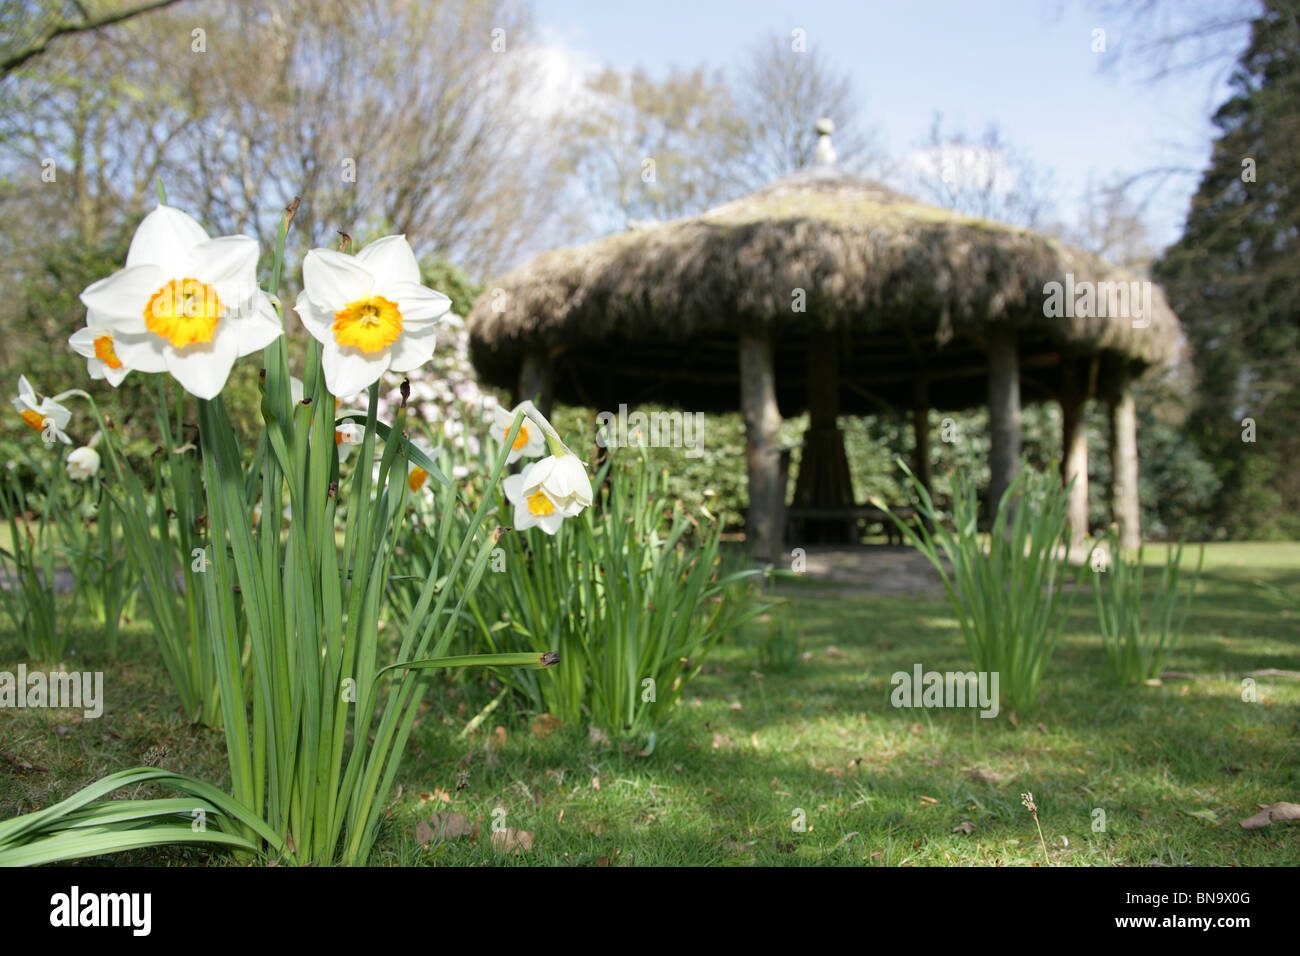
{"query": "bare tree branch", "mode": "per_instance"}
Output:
(13, 61)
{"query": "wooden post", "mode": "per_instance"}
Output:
(762, 421)
(536, 381)
(921, 434)
(1004, 413)
(1074, 450)
(1124, 466)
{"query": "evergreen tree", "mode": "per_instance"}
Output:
(1234, 280)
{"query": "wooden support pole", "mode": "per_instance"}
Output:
(1004, 413)
(1074, 450)
(536, 381)
(764, 530)
(1124, 466)
(921, 434)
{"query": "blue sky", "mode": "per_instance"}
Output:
(1027, 65)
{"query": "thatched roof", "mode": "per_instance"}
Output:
(906, 288)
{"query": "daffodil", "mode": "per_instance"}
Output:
(44, 415)
(185, 303)
(95, 344)
(369, 312)
(416, 479)
(348, 436)
(564, 479)
(530, 441)
(82, 463)
(547, 492)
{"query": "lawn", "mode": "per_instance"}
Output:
(1173, 767)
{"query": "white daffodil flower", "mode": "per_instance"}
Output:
(185, 303)
(44, 415)
(369, 312)
(530, 441)
(416, 478)
(82, 463)
(532, 510)
(547, 492)
(563, 478)
(94, 343)
(348, 436)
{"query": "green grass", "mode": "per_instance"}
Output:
(1174, 767)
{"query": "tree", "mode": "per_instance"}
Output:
(33, 26)
(642, 148)
(1234, 279)
(983, 177)
(782, 90)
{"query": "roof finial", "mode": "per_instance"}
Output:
(825, 153)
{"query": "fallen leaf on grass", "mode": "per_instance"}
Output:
(18, 763)
(444, 825)
(926, 799)
(985, 776)
(833, 651)
(597, 737)
(520, 841)
(1271, 813)
(544, 725)
(1209, 816)
(964, 827)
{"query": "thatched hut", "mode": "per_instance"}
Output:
(830, 293)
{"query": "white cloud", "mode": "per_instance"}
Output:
(961, 166)
(561, 68)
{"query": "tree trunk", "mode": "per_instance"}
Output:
(1124, 467)
(762, 421)
(1004, 414)
(1074, 450)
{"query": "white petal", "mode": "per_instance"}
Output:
(417, 304)
(349, 370)
(202, 368)
(513, 485)
(537, 473)
(83, 341)
(524, 519)
(142, 351)
(413, 349)
(260, 327)
(333, 281)
(229, 265)
(551, 523)
(56, 413)
(26, 393)
(115, 375)
(318, 323)
(390, 260)
(164, 238)
(120, 299)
